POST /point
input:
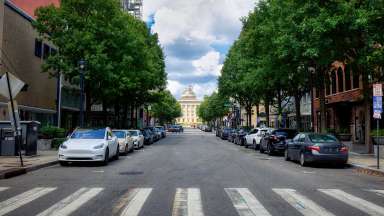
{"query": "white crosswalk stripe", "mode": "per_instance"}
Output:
(3, 188)
(245, 202)
(301, 203)
(22, 199)
(72, 202)
(187, 202)
(361, 204)
(137, 198)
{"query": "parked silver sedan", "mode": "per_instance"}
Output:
(125, 141)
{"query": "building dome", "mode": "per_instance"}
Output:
(188, 94)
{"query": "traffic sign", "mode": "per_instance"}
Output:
(377, 104)
(376, 115)
(15, 85)
(377, 90)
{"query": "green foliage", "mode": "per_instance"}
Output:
(374, 132)
(50, 132)
(125, 63)
(212, 107)
(281, 40)
(57, 142)
(166, 109)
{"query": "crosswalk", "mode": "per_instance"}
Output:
(189, 202)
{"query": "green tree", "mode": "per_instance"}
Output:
(166, 109)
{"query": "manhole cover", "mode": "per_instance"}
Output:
(131, 173)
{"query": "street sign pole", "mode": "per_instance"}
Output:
(377, 110)
(17, 140)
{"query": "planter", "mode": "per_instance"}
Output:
(378, 140)
(344, 137)
(44, 144)
(381, 150)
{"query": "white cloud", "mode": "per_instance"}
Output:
(196, 35)
(208, 64)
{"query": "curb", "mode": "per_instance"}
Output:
(367, 170)
(13, 172)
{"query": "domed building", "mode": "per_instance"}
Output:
(189, 104)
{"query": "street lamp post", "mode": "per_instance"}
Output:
(82, 67)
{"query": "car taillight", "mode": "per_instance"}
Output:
(343, 149)
(274, 138)
(313, 148)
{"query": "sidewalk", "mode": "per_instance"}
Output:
(366, 163)
(10, 165)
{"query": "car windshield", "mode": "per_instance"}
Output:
(322, 138)
(287, 133)
(88, 134)
(119, 134)
(133, 133)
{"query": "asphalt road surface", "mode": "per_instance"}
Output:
(193, 173)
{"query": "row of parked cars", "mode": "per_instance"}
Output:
(102, 145)
(205, 128)
(306, 148)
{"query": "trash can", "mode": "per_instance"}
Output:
(31, 136)
(7, 142)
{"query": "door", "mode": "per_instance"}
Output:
(297, 146)
(112, 144)
(291, 147)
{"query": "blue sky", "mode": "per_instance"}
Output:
(196, 36)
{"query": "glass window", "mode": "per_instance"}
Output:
(89, 134)
(322, 138)
(302, 138)
(296, 138)
(38, 48)
(356, 80)
(333, 82)
(340, 80)
(347, 73)
(119, 134)
(46, 51)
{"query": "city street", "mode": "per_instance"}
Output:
(193, 173)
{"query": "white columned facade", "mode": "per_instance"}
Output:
(189, 104)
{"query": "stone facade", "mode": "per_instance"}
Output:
(189, 104)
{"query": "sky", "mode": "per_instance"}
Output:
(195, 36)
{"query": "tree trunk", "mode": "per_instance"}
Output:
(279, 109)
(117, 115)
(297, 110)
(257, 114)
(132, 116)
(125, 115)
(104, 112)
(323, 113)
(266, 106)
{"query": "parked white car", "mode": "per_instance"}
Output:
(254, 137)
(138, 138)
(89, 145)
(125, 141)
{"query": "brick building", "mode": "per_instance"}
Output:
(345, 109)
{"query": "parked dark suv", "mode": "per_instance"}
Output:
(276, 141)
(225, 133)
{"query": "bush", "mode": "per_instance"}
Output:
(57, 142)
(374, 132)
(50, 132)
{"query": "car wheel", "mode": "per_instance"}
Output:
(106, 157)
(261, 149)
(132, 149)
(302, 160)
(117, 155)
(286, 156)
(269, 150)
(63, 163)
(126, 149)
(254, 144)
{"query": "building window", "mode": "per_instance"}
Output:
(340, 80)
(38, 48)
(347, 73)
(356, 80)
(333, 82)
(46, 51)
